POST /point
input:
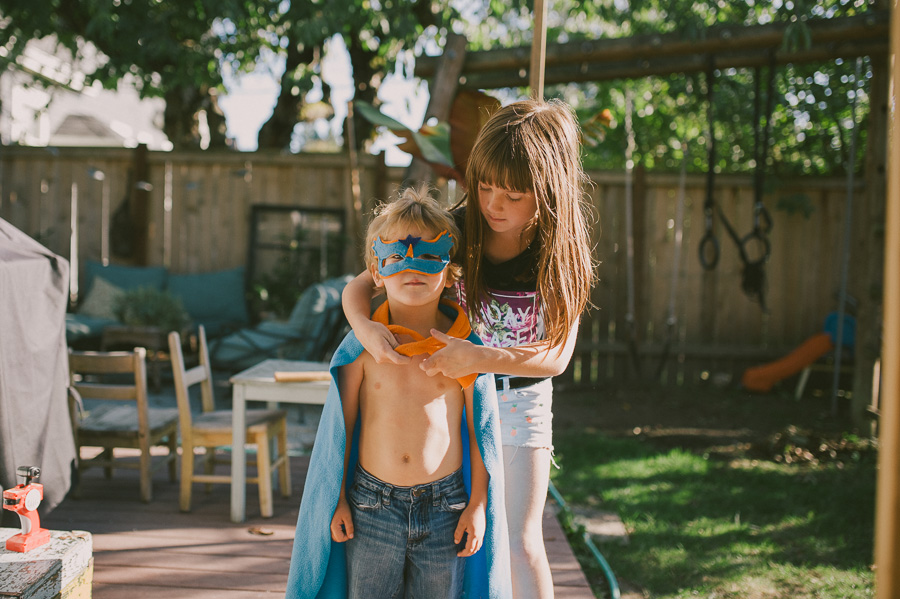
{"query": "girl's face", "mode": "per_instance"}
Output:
(504, 210)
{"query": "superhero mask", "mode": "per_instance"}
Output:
(436, 254)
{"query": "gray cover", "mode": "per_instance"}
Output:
(35, 429)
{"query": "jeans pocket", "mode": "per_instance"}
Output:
(455, 501)
(363, 498)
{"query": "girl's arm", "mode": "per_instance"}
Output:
(462, 357)
(375, 337)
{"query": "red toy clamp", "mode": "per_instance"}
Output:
(24, 500)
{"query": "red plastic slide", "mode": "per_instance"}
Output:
(762, 378)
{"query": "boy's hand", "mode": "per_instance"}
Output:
(471, 522)
(342, 522)
(454, 361)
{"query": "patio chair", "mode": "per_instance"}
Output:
(211, 428)
(315, 326)
(122, 418)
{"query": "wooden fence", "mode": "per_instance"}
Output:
(197, 209)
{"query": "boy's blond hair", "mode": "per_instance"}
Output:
(415, 207)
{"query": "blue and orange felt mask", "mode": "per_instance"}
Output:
(416, 254)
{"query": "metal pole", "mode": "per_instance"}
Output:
(845, 246)
(887, 497)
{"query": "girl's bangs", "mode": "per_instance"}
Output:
(499, 167)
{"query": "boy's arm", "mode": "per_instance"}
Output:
(375, 337)
(349, 381)
(472, 520)
(461, 357)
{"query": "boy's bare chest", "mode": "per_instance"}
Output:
(407, 386)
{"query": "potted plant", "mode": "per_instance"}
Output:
(149, 307)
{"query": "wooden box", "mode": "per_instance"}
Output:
(61, 569)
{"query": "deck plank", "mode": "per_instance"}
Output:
(153, 551)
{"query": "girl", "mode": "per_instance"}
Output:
(528, 273)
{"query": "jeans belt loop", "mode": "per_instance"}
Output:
(435, 494)
(386, 496)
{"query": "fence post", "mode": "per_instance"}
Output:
(140, 200)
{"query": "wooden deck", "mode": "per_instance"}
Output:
(153, 551)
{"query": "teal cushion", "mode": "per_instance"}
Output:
(247, 347)
(82, 326)
(309, 308)
(315, 300)
(124, 277)
(213, 299)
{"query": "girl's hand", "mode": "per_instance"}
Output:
(342, 522)
(472, 523)
(456, 360)
(379, 342)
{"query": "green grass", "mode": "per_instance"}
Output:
(745, 529)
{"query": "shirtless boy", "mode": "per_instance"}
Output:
(407, 518)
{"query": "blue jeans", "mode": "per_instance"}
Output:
(403, 538)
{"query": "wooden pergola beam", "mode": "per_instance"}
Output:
(644, 55)
(665, 65)
(538, 54)
(887, 494)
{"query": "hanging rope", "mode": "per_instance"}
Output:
(629, 231)
(754, 248)
(671, 319)
(709, 244)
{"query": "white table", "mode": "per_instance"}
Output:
(258, 384)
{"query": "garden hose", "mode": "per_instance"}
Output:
(614, 592)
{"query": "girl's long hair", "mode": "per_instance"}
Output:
(534, 146)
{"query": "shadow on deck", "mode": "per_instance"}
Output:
(153, 551)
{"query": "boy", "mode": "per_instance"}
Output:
(407, 467)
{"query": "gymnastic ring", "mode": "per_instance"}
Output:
(709, 242)
(750, 238)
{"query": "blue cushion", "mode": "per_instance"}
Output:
(268, 339)
(299, 338)
(213, 299)
(124, 277)
(82, 326)
(315, 300)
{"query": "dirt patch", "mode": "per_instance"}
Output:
(722, 422)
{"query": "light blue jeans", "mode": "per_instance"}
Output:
(403, 538)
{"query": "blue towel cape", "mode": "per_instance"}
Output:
(318, 564)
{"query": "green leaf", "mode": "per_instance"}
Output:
(376, 117)
(435, 147)
(433, 142)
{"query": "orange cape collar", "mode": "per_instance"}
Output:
(428, 345)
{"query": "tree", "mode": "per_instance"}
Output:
(811, 108)
(169, 50)
(374, 33)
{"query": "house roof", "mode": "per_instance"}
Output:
(84, 130)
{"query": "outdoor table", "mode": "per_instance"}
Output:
(258, 383)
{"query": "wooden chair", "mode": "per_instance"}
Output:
(212, 428)
(120, 377)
